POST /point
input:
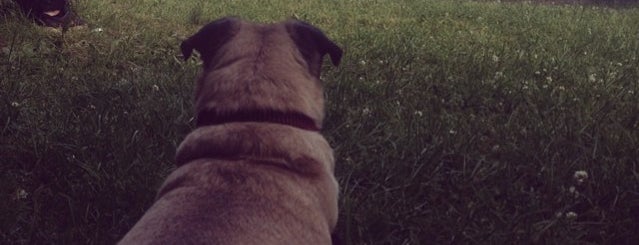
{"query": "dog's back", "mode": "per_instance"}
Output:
(256, 170)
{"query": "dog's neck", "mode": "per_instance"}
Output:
(293, 119)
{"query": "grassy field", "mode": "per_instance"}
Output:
(452, 121)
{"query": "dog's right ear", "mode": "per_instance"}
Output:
(313, 45)
(209, 38)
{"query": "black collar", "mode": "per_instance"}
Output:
(294, 119)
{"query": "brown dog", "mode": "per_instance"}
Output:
(256, 170)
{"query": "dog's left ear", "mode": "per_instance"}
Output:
(313, 44)
(208, 39)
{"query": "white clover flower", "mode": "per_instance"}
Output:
(452, 131)
(15, 104)
(571, 215)
(155, 88)
(580, 176)
(362, 62)
(495, 58)
(419, 113)
(549, 79)
(592, 78)
(21, 194)
(366, 111)
(573, 191)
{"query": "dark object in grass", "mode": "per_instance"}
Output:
(51, 13)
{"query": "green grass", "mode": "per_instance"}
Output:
(452, 121)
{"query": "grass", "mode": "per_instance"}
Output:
(452, 121)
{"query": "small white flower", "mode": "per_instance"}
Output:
(495, 58)
(580, 176)
(571, 215)
(92, 107)
(419, 113)
(452, 131)
(573, 191)
(122, 82)
(21, 194)
(366, 111)
(362, 62)
(15, 104)
(99, 29)
(549, 79)
(592, 78)
(562, 88)
(155, 88)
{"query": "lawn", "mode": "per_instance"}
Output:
(452, 121)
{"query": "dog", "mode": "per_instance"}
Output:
(256, 169)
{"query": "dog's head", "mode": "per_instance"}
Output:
(311, 41)
(263, 67)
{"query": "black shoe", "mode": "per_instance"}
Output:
(66, 19)
(41, 12)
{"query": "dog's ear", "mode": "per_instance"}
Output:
(209, 38)
(313, 44)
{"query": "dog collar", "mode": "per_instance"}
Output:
(293, 119)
